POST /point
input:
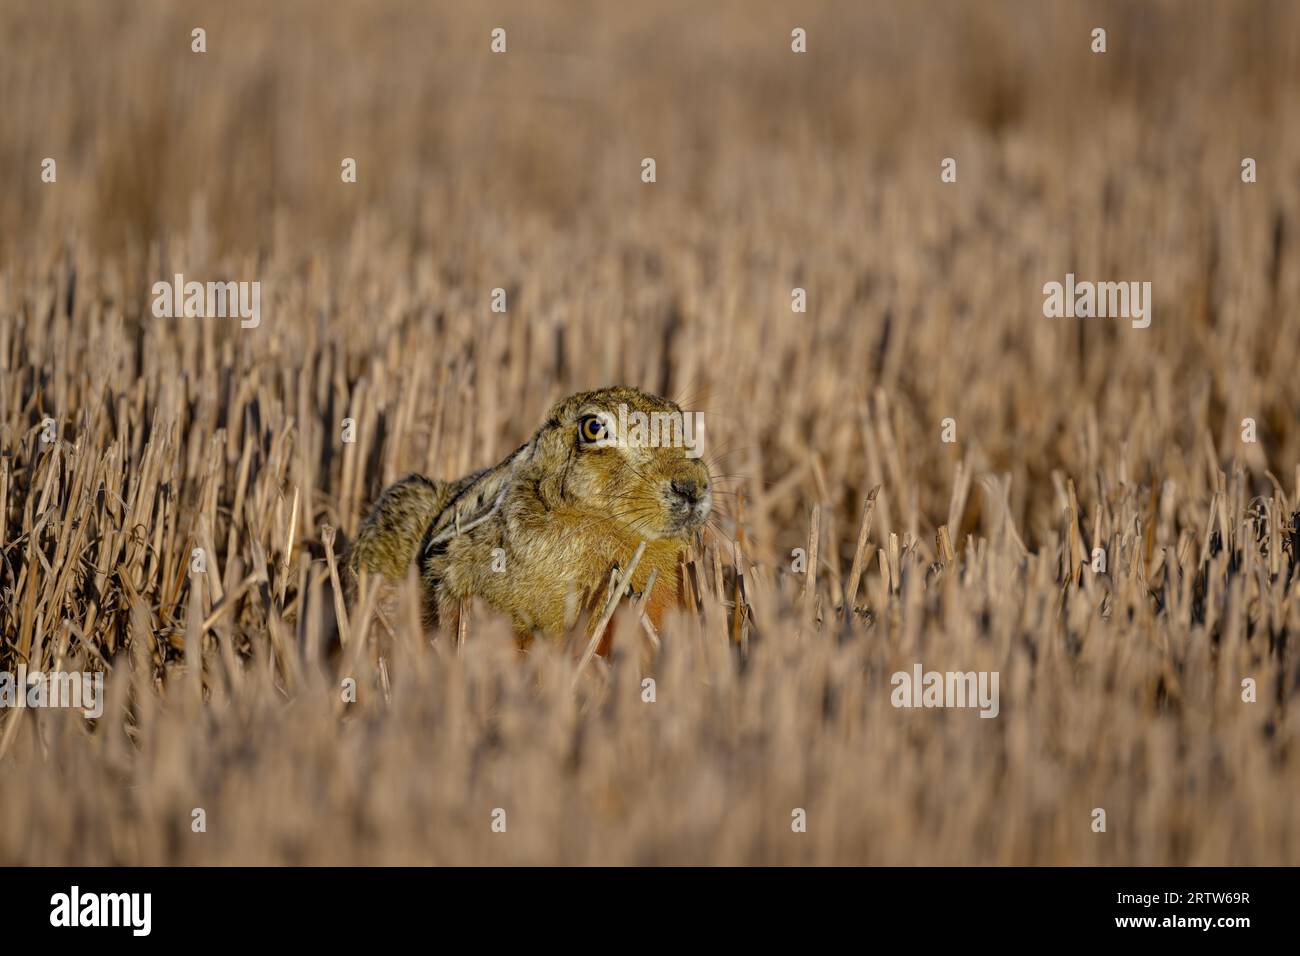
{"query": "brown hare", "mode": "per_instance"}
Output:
(537, 535)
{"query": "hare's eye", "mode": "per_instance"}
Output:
(591, 428)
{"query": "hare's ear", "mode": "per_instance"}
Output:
(476, 502)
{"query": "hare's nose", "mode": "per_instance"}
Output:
(689, 489)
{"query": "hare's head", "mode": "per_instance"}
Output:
(628, 457)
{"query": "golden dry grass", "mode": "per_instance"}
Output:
(1120, 691)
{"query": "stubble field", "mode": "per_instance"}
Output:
(129, 441)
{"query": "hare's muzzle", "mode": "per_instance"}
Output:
(689, 502)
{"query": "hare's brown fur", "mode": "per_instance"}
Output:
(563, 513)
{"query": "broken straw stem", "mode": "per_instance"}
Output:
(624, 580)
